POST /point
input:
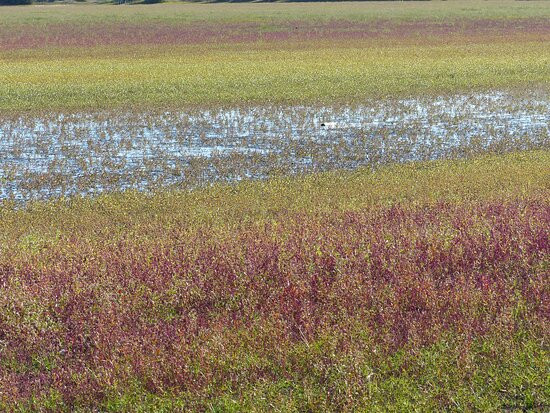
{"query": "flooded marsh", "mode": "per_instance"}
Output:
(289, 207)
(62, 154)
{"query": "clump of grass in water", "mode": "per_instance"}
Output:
(67, 154)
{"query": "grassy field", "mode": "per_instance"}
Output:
(421, 286)
(85, 57)
(271, 13)
(227, 77)
(380, 284)
(252, 202)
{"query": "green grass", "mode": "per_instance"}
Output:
(108, 216)
(325, 75)
(56, 254)
(116, 259)
(494, 375)
(272, 12)
(300, 71)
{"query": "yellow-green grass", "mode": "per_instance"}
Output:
(116, 248)
(58, 254)
(324, 60)
(136, 215)
(269, 13)
(326, 75)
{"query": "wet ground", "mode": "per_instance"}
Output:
(86, 153)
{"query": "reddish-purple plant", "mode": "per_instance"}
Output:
(172, 313)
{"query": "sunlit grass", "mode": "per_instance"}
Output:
(325, 60)
(271, 13)
(269, 76)
(487, 177)
(416, 286)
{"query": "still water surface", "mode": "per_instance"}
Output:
(86, 153)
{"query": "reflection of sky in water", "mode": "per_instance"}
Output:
(123, 143)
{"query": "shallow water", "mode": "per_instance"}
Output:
(87, 153)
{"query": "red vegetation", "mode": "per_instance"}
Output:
(123, 33)
(169, 313)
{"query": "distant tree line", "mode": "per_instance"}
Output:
(14, 2)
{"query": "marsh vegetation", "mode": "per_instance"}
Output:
(64, 154)
(275, 207)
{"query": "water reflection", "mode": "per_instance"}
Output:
(64, 154)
